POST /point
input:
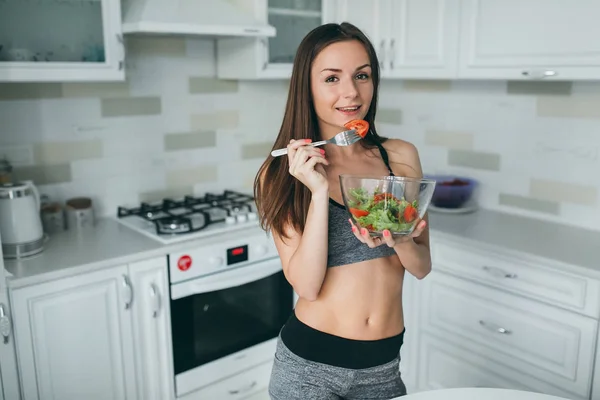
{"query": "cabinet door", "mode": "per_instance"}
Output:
(423, 39)
(74, 337)
(152, 329)
(533, 39)
(9, 380)
(368, 16)
(61, 40)
(271, 58)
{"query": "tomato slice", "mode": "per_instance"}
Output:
(361, 126)
(410, 213)
(358, 213)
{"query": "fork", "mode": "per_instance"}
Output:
(344, 138)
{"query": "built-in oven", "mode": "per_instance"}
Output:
(228, 304)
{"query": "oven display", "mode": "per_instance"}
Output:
(237, 254)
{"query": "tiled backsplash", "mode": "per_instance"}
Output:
(173, 129)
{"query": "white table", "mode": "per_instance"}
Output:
(477, 394)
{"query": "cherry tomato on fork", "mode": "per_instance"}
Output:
(361, 126)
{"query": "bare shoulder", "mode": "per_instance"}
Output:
(404, 157)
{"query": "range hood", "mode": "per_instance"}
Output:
(216, 18)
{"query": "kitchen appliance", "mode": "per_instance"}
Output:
(20, 223)
(176, 220)
(229, 297)
(192, 17)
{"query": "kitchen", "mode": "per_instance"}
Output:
(167, 111)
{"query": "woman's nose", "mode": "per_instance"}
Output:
(349, 89)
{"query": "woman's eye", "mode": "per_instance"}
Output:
(362, 75)
(331, 79)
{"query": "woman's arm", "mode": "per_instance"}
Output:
(414, 253)
(304, 256)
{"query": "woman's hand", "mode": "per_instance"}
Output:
(306, 165)
(364, 236)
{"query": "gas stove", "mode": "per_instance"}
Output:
(175, 220)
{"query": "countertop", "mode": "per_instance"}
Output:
(477, 394)
(110, 243)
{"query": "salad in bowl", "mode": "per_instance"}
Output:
(389, 202)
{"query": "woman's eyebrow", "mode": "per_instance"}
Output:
(339, 70)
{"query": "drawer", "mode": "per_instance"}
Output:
(546, 342)
(238, 387)
(445, 365)
(561, 288)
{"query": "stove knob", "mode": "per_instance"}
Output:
(215, 261)
(261, 250)
(230, 220)
(252, 216)
(241, 218)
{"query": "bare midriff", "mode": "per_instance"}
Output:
(361, 301)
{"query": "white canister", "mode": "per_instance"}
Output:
(80, 213)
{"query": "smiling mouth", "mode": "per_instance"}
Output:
(348, 109)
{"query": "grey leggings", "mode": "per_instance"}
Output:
(294, 378)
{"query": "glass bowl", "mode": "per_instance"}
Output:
(452, 191)
(389, 202)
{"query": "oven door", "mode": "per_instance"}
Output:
(227, 322)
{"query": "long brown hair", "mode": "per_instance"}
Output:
(281, 199)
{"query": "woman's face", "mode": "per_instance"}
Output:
(341, 85)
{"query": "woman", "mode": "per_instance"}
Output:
(344, 338)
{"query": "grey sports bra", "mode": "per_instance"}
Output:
(343, 247)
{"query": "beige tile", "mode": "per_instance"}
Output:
(539, 88)
(156, 45)
(474, 159)
(450, 139)
(528, 203)
(190, 140)
(27, 91)
(427, 86)
(173, 193)
(119, 107)
(256, 150)
(64, 152)
(44, 174)
(389, 116)
(201, 84)
(563, 192)
(191, 176)
(569, 107)
(95, 89)
(228, 119)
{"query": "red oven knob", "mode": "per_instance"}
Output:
(184, 263)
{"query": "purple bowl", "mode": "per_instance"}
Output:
(452, 191)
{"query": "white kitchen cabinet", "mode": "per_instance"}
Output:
(61, 40)
(271, 58)
(415, 39)
(152, 329)
(489, 318)
(533, 39)
(9, 380)
(75, 337)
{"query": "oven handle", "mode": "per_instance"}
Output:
(227, 279)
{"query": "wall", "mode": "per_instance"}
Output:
(173, 129)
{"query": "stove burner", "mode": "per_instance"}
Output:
(192, 214)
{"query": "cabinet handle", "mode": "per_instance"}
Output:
(494, 328)
(382, 54)
(392, 54)
(265, 44)
(155, 294)
(539, 75)
(5, 325)
(499, 272)
(128, 292)
(122, 60)
(242, 390)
